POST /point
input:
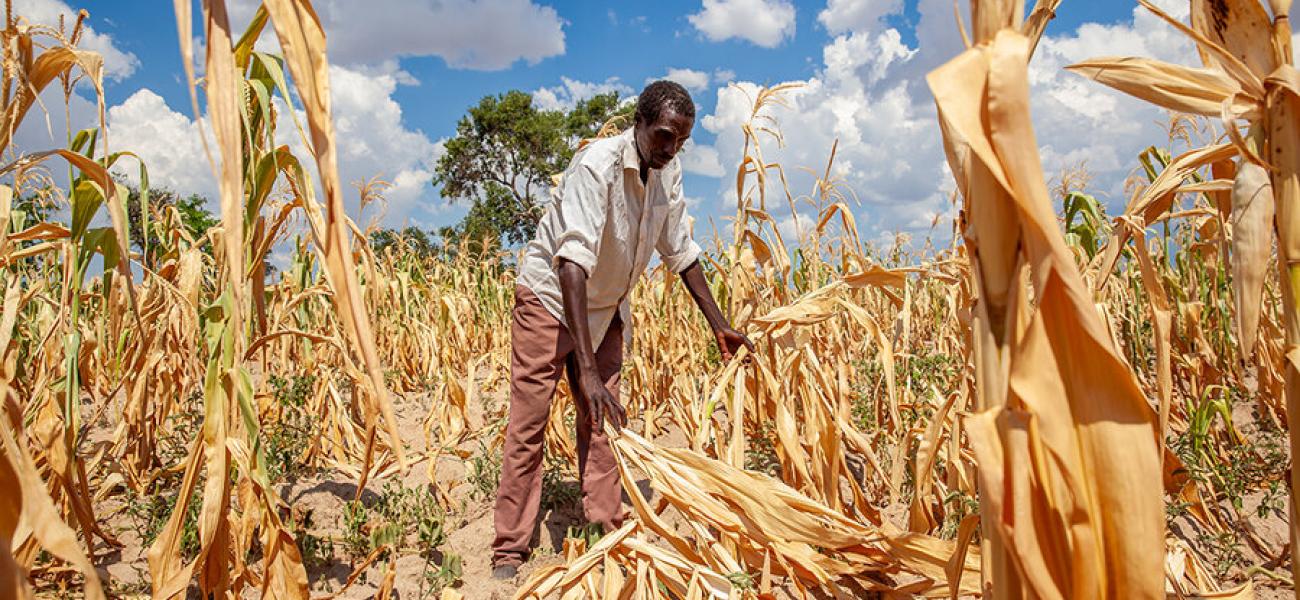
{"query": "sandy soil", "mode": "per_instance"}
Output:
(324, 495)
(470, 529)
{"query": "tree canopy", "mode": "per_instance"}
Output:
(503, 156)
(192, 209)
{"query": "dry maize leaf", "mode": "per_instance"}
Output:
(541, 582)
(768, 515)
(1175, 87)
(284, 576)
(1010, 456)
(1214, 185)
(651, 520)
(168, 576)
(1245, 591)
(849, 224)
(39, 231)
(214, 522)
(303, 40)
(957, 565)
(761, 251)
(30, 251)
(666, 561)
(385, 591)
(736, 448)
(815, 306)
(222, 91)
(13, 581)
(274, 335)
(586, 560)
(1162, 319)
(613, 575)
(48, 67)
(1252, 242)
(1076, 508)
(1036, 23)
(1157, 198)
(950, 569)
(1227, 61)
(877, 276)
(1226, 170)
(114, 201)
(1241, 27)
(37, 517)
(920, 518)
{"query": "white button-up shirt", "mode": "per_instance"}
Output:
(597, 219)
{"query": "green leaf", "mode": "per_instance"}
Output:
(87, 197)
(273, 67)
(263, 181)
(244, 47)
(84, 142)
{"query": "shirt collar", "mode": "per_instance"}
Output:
(630, 159)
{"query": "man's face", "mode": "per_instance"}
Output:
(660, 141)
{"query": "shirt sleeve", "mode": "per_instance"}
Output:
(676, 246)
(581, 217)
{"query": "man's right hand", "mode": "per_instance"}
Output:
(591, 387)
(600, 403)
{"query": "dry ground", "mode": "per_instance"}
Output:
(469, 530)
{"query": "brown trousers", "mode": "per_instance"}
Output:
(541, 350)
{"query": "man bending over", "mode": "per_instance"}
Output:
(619, 200)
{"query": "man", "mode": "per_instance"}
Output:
(619, 200)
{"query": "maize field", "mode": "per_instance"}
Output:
(1044, 401)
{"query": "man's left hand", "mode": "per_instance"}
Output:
(730, 341)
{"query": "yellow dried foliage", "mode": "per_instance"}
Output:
(984, 419)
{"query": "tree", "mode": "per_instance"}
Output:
(504, 154)
(192, 209)
(414, 238)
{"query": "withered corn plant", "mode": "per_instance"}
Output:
(1248, 78)
(996, 417)
(1070, 495)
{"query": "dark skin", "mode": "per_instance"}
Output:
(656, 144)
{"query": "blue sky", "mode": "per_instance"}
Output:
(406, 70)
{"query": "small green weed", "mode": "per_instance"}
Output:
(404, 519)
(589, 532)
(484, 473)
(760, 452)
(558, 491)
(1224, 551)
(290, 436)
(151, 514)
(741, 580)
(959, 506)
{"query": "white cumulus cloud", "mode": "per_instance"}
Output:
(701, 160)
(166, 140)
(118, 64)
(571, 91)
(766, 23)
(487, 35)
(372, 141)
(840, 16)
(869, 95)
(691, 79)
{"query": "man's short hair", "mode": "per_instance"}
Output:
(660, 95)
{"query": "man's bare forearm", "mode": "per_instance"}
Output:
(693, 277)
(729, 340)
(590, 385)
(573, 290)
